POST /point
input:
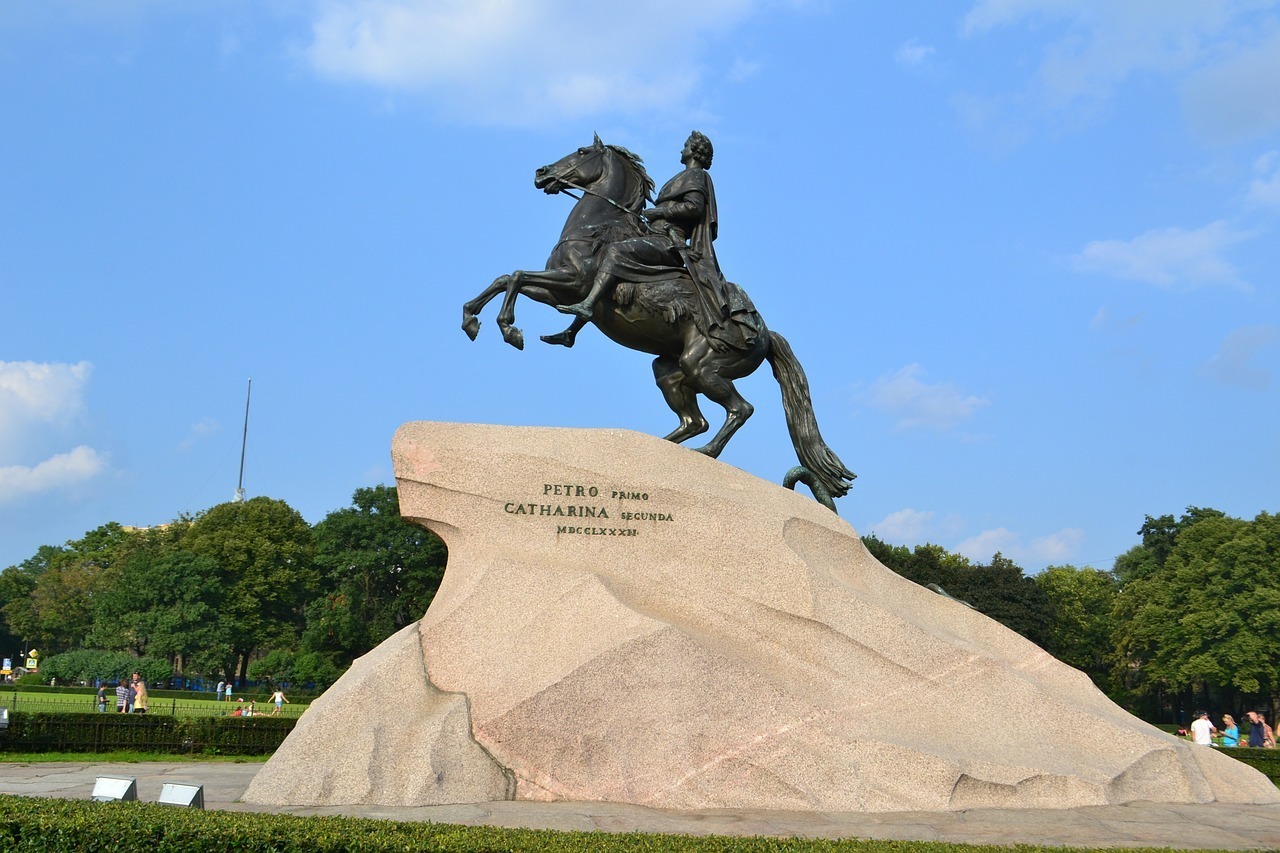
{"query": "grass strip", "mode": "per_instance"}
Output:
(124, 756)
(77, 825)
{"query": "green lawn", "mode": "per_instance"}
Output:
(22, 700)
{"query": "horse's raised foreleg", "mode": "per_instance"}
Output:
(541, 285)
(472, 309)
(681, 397)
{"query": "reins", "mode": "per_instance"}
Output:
(601, 196)
(588, 191)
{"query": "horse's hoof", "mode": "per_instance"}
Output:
(471, 325)
(708, 450)
(563, 339)
(513, 336)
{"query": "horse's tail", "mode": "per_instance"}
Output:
(801, 423)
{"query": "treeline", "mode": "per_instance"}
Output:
(245, 589)
(1188, 619)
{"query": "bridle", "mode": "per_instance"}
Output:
(588, 191)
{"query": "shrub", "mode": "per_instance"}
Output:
(80, 825)
(94, 732)
(90, 664)
(1266, 761)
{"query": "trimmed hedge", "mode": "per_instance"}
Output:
(1267, 761)
(94, 732)
(44, 688)
(80, 825)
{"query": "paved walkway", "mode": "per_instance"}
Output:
(1139, 824)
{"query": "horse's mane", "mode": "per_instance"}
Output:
(641, 184)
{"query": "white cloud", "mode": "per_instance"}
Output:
(989, 14)
(743, 70)
(1045, 550)
(523, 61)
(914, 403)
(912, 53)
(37, 399)
(197, 433)
(980, 548)
(906, 526)
(1105, 321)
(1055, 547)
(1264, 190)
(34, 395)
(1231, 365)
(61, 471)
(1167, 256)
(1237, 98)
(1227, 52)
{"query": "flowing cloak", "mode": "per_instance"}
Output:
(725, 312)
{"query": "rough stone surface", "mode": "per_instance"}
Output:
(383, 735)
(735, 646)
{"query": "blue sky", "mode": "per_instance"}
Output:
(1025, 249)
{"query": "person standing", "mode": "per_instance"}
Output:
(684, 224)
(279, 698)
(1202, 730)
(122, 695)
(140, 699)
(102, 699)
(1230, 731)
(1255, 729)
(222, 688)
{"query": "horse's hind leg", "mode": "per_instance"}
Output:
(682, 399)
(471, 310)
(703, 373)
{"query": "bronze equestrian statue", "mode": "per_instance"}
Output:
(649, 280)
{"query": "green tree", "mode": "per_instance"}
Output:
(1081, 601)
(264, 554)
(1159, 536)
(163, 600)
(89, 665)
(314, 668)
(1207, 622)
(17, 616)
(57, 614)
(1000, 589)
(379, 574)
(275, 667)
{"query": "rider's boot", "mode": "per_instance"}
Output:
(587, 307)
(568, 336)
(583, 309)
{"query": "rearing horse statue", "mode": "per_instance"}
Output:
(656, 317)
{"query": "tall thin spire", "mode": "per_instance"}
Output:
(244, 441)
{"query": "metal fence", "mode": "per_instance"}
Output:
(75, 703)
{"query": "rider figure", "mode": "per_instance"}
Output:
(683, 225)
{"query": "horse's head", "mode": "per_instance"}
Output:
(582, 168)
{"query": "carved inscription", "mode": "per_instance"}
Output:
(567, 506)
